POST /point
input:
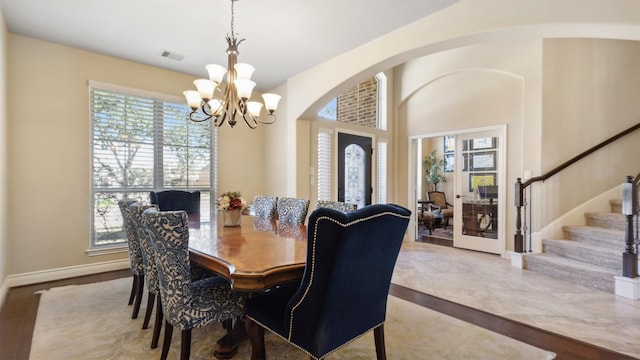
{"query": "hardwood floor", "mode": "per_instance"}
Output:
(18, 315)
(19, 311)
(564, 347)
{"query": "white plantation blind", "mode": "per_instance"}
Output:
(143, 142)
(324, 164)
(382, 171)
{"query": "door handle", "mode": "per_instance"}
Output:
(458, 196)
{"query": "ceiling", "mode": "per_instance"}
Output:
(283, 37)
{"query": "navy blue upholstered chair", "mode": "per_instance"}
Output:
(265, 206)
(135, 256)
(292, 210)
(173, 200)
(343, 292)
(186, 304)
(150, 272)
(337, 205)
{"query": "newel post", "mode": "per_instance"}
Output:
(518, 237)
(629, 209)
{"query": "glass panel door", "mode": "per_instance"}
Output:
(478, 207)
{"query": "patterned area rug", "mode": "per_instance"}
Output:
(93, 322)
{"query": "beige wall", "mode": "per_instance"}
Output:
(591, 92)
(462, 24)
(4, 244)
(474, 87)
(49, 158)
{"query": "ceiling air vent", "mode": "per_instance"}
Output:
(172, 56)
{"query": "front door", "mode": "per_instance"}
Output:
(479, 205)
(354, 169)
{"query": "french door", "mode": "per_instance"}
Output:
(479, 192)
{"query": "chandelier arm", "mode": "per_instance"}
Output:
(268, 122)
(198, 118)
(220, 119)
(250, 120)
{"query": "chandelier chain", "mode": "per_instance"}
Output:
(232, 17)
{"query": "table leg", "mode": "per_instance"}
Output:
(227, 346)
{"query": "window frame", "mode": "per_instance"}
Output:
(159, 102)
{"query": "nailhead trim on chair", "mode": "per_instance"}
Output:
(313, 257)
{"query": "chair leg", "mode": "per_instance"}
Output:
(133, 290)
(378, 334)
(256, 337)
(185, 345)
(157, 325)
(139, 293)
(168, 334)
(147, 316)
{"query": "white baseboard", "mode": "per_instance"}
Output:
(517, 260)
(628, 287)
(64, 273)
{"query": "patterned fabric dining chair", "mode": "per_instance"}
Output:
(336, 205)
(344, 289)
(135, 256)
(265, 206)
(292, 210)
(150, 272)
(186, 304)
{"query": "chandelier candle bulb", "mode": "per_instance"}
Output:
(271, 102)
(254, 108)
(205, 88)
(244, 71)
(222, 104)
(245, 88)
(193, 98)
(216, 106)
(216, 73)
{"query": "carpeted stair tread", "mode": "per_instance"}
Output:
(585, 252)
(574, 271)
(606, 220)
(599, 236)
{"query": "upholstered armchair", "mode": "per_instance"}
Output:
(343, 292)
(150, 272)
(440, 206)
(135, 256)
(173, 200)
(265, 206)
(336, 205)
(186, 304)
(292, 210)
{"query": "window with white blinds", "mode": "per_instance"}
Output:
(324, 164)
(382, 171)
(143, 142)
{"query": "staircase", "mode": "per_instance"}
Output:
(590, 255)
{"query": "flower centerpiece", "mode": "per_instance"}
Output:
(231, 204)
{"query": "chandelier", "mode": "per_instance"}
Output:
(212, 102)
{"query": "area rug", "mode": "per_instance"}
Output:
(93, 322)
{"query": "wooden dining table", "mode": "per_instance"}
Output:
(254, 256)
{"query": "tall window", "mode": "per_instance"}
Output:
(365, 104)
(324, 164)
(142, 142)
(382, 171)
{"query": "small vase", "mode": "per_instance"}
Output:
(231, 217)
